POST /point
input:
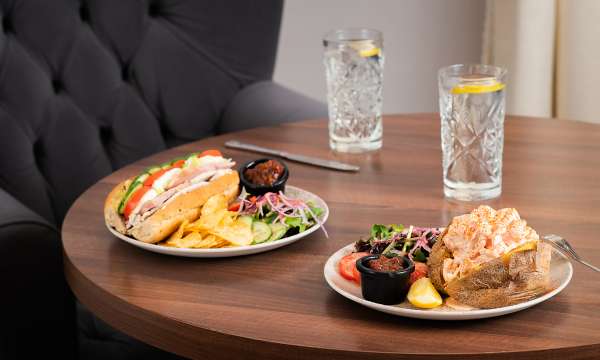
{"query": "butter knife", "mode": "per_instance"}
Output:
(330, 164)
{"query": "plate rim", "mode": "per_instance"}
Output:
(246, 249)
(442, 315)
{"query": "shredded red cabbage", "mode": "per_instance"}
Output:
(285, 207)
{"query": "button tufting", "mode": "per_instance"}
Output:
(104, 134)
(125, 73)
(153, 10)
(84, 13)
(57, 85)
(7, 24)
(37, 149)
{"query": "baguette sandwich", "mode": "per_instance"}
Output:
(152, 205)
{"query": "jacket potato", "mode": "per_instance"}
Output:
(489, 259)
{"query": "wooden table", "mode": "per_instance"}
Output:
(276, 305)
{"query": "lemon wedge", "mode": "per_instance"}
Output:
(531, 245)
(365, 48)
(369, 52)
(422, 294)
(478, 88)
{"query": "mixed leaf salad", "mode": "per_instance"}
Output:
(397, 240)
(275, 215)
(392, 243)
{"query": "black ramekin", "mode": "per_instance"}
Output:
(278, 185)
(389, 287)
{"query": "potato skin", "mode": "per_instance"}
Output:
(438, 254)
(515, 278)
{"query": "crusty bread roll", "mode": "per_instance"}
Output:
(182, 206)
(111, 205)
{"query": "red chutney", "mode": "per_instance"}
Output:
(265, 173)
(385, 264)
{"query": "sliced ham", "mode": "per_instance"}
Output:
(160, 199)
(149, 207)
(203, 176)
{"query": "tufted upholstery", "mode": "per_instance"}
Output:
(88, 86)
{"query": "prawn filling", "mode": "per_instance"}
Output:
(490, 259)
(482, 236)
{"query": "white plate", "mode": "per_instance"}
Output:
(290, 191)
(560, 273)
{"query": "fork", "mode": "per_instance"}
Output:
(562, 245)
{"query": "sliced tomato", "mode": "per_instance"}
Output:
(356, 273)
(347, 266)
(234, 207)
(178, 163)
(211, 152)
(152, 178)
(135, 200)
(252, 199)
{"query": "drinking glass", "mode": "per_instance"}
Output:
(472, 99)
(354, 70)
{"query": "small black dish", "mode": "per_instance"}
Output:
(388, 287)
(278, 185)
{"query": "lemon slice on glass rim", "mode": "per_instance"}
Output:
(478, 87)
(365, 48)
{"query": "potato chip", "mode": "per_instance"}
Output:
(192, 240)
(183, 242)
(211, 241)
(217, 242)
(211, 220)
(217, 227)
(223, 243)
(194, 227)
(238, 232)
(179, 233)
(213, 204)
(195, 240)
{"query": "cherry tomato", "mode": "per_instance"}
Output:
(421, 270)
(347, 266)
(212, 152)
(234, 207)
(178, 163)
(135, 200)
(152, 178)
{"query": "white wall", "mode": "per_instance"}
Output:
(420, 36)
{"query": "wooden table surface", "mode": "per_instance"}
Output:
(276, 305)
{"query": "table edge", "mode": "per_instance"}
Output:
(109, 311)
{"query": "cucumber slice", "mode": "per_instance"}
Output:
(140, 179)
(137, 180)
(277, 231)
(248, 220)
(190, 159)
(261, 232)
(133, 188)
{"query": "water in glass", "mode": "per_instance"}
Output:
(354, 71)
(472, 116)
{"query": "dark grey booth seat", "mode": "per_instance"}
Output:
(87, 87)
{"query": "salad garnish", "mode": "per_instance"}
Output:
(277, 208)
(396, 240)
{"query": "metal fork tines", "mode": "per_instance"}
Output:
(562, 245)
